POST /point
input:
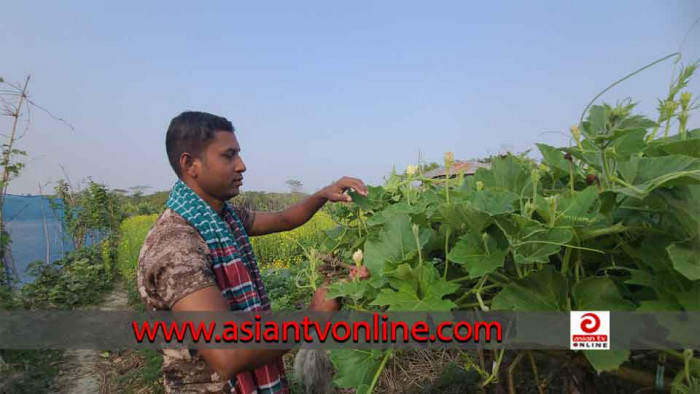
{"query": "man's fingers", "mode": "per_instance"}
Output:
(357, 184)
(360, 272)
(335, 197)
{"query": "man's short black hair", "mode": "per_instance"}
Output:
(191, 132)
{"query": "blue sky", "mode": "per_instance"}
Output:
(318, 90)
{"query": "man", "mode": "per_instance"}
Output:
(197, 256)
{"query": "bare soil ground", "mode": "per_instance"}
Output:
(81, 370)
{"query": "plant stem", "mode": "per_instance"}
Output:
(447, 258)
(565, 262)
(668, 127)
(379, 371)
(623, 79)
(571, 176)
(511, 369)
(474, 304)
(534, 369)
(576, 270)
(517, 269)
(606, 172)
(472, 291)
(447, 186)
(494, 372)
(462, 279)
(500, 276)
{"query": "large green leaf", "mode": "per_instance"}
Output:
(395, 244)
(398, 209)
(596, 123)
(661, 305)
(589, 155)
(570, 208)
(648, 173)
(606, 360)
(641, 278)
(493, 201)
(376, 198)
(578, 208)
(682, 210)
(636, 122)
(630, 142)
(690, 300)
(506, 173)
(652, 256)
(479, 253)
(531, 241)
(543, 290)
(554, 158)
(356, 368)
(461, 216)
(354, 289)
(688, 147)
(416, 289)
(686, 260)
(599, 294)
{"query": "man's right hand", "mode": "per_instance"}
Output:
(320, 303)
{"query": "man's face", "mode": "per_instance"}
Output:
(221, 169)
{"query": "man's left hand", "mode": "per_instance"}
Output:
(336, 191)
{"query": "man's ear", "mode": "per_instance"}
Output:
(189, 165)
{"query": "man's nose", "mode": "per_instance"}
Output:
(241, 166)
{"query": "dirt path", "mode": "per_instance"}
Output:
(79, 372)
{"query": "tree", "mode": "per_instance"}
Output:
(10, 169)
(88, 213)
(294, 185)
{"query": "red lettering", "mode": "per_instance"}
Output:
(403, 326)
(442, 337)
(146, 329)
(346, 328)
(356, 326)
(285, 330)
(420, 328)
(488, 326)
(271, 332)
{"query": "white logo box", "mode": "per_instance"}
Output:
(589, 330)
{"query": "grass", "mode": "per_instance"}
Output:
(132, 233)
(30, 371)
(137, 371)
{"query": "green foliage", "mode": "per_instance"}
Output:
(283, 250)
(80, 278)
(357, 368)
(541, 290)
(8, 298)
(132, 233)
(29, 371)
(266, 201)
(282, 288)
(610, 223)
(147, 378)
(416, 289)
(91, 212)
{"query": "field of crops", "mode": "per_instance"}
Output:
(283, 250)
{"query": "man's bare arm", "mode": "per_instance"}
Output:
(226, 362)
(300, 213)
(230, 362)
